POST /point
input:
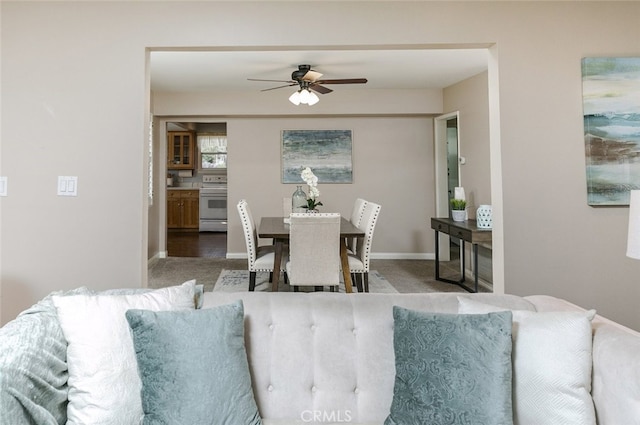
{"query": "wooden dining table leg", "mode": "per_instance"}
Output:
(277, 260)
(345, 266)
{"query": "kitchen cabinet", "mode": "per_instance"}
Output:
(181, 150)
(183, 209)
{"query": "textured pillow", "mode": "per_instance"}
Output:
(451, 369)
(104, 387)
(551, 365)
(193, 366)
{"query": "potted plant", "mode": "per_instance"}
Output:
(458, 209)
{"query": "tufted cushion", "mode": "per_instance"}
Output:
(328, 353)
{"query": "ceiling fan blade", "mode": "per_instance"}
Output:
(343, 81)
(320, 89)
(275, 81)
(312, 76)
(279, 87)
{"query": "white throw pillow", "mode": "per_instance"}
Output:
(551, 365)
(104, 386)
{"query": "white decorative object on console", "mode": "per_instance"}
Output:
(484, 217)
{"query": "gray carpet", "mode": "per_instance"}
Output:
(406, 276)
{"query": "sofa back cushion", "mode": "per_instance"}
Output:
(551, 365)
(104, 386)
(329, 355)
(33, 368)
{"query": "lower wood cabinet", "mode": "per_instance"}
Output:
(183, 209)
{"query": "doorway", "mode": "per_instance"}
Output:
(194, 187)
(447, 165)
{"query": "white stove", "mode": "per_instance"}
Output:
(213, 204)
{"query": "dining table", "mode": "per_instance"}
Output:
(278, 230)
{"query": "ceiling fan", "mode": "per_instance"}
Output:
(309, 80)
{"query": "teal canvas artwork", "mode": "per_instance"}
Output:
(611, 109)
(326, 152)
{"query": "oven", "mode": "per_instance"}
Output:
(213, 204)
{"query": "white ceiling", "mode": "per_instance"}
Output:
(385, 69)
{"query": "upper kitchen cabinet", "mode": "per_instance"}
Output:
(181, 153)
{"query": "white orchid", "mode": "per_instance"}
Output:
(307, 175)
(312, 181)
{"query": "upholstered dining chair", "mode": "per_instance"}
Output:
(314, 250)
(359, 262)
(259, 258)
(356, 219)
(286, 207)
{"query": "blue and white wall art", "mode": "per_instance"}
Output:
(611, 108)
(326, 152)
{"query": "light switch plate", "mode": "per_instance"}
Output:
(3, 186)
(67, 185)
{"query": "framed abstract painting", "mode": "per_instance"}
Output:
(611, 113)
(326, 152)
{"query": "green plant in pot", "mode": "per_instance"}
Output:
(458, 209)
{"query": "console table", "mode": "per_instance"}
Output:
(466, 231)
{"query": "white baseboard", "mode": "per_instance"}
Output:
(402, 256)
(374, 256)
(155, 258)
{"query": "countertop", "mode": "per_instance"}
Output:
(182, 188)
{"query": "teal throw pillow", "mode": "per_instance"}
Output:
(193, 366)
(451, 369)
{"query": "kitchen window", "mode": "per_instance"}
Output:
(213, 151)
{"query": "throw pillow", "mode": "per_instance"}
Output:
(104, 387)
(551, 365)
(451, 369)
(193, 366)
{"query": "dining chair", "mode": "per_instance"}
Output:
(259, 258)
(314, 250)
(359, 262)
(287, 209)
(356, 219)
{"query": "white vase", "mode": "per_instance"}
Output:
(484, 219)
(458, 215)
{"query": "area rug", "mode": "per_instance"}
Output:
(238, 281)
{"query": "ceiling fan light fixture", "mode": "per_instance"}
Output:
(295, 98)
(304, 96)
(313, 99)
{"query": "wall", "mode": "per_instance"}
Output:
(74, 97)
(391, 151)
(471, 99)
(391, 166)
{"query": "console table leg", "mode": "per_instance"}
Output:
(437, 256)
(475, 265)
(463, 261)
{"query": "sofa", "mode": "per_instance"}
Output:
(331, 358)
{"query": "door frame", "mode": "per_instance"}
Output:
(441, 174)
